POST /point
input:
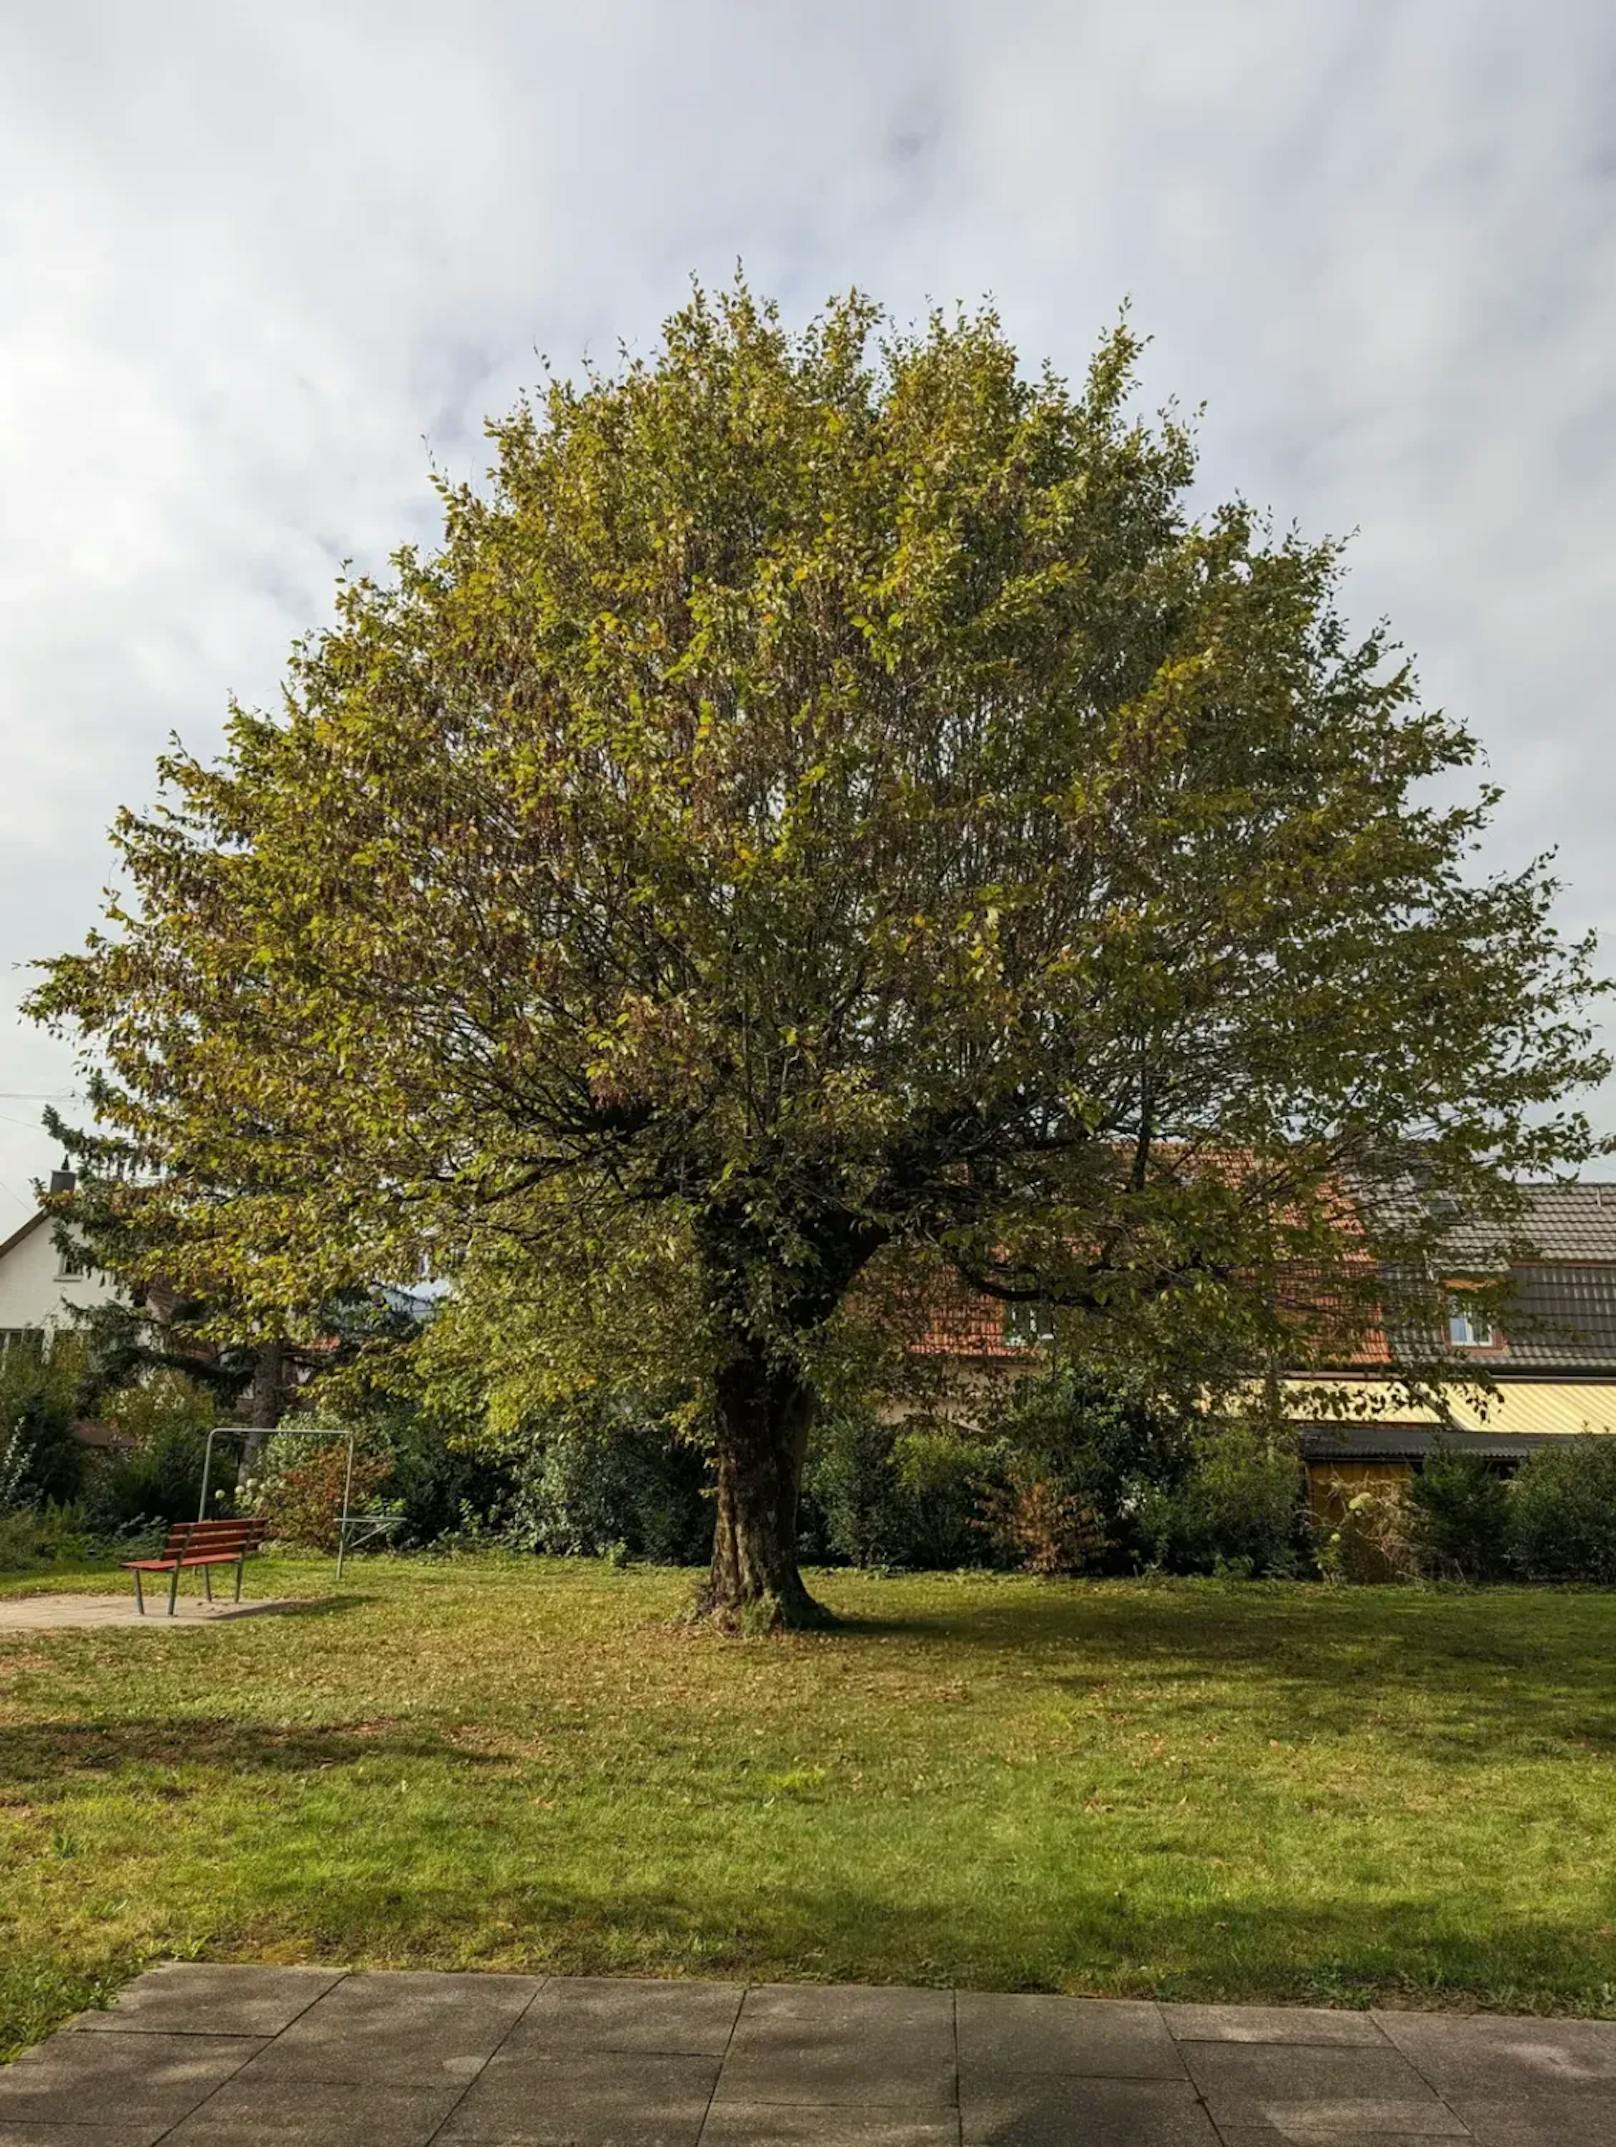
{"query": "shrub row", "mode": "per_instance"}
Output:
(1075, 1478)
(1069, 1475)
(1458, 1518)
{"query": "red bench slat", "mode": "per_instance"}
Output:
(167, 1565)
(217, 1528)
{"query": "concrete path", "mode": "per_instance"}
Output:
(306, 2057)
(61, 1613)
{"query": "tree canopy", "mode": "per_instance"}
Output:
(826, 802)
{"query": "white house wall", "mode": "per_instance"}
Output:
(33, 1290)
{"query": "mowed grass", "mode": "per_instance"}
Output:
(1178, 1788)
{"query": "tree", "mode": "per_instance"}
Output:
(104, 1211)
(115, 1210)
(824, 803)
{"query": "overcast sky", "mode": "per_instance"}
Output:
(258, 262)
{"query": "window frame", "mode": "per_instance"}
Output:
(1480, 1331)
(1028, 1323)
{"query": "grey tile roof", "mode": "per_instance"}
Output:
(1561, 1317)
(1561, 1222)
(1555, 1316)
(1572, 1222)
(1575, 1221)
(1560, 1311)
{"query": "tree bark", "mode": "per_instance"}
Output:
(266, 1399)
(763, 1420)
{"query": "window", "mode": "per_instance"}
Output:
(1468, 1326)
(1027, 1324)
(29, 1338)
(71, 1262)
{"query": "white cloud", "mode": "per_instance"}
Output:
(251, 257)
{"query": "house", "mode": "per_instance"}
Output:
(1545, 1360)
(41, 1285)
(1548, 1355)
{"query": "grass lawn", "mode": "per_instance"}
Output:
(1179, 1788)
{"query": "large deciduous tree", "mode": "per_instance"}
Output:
(825, 800)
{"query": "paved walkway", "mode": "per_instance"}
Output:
(306, 2057)
(61, 1613)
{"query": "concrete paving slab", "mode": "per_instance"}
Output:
(1269, 2024)
(600, 2098)
(844, 2044)
(1547, 2120)
(407, 2028)
(398, 2059)
(683, 2019)
(1482, 2053)
(301, 2113)
(1033, 2033)
(48, 2135)
(1352, 2119)
(1288, 2084)
(1311, 2136)
(1002, 2109)
(66, 1613)
(119, 2079)
(211, 1998)
(780, 2124)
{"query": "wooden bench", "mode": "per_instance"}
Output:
(198, 1543)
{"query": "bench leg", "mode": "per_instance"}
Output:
(240, 1562)
(173, 1588)
(140, 1599)
(207, 1582)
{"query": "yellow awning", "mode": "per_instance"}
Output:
(1519, 1406)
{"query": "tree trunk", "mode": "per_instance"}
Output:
(265, 1400)
(763, 1420)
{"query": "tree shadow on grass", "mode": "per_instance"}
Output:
(1408, 1947)
(1499, 1665)
(37, 1753)
(301, 1606)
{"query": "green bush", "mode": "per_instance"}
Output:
(443, 1485)
(586, 1485)
(33, 1538)
(1097, 1452)
(1563, 1512)
(43, 1393)
(1057, 1480)
(881, 1494)
(943, 1475)
(853, 1508)
(1237, 1510)
(159, 1476)
(1459, 1517)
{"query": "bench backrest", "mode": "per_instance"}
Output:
(220, 1537)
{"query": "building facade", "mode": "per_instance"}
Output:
(1544, 1360)
(41, 1285)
